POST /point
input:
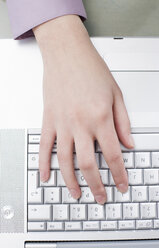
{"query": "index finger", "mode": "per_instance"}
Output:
(109, 144)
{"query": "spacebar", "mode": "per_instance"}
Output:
(143, 142)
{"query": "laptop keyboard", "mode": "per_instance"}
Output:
(51, 207)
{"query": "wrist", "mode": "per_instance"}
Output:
(57, 35)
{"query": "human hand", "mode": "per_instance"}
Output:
(82, 103)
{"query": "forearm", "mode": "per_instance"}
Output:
(65, 41)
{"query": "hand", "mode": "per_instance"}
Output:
(82, 103)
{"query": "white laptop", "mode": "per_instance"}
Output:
(33, 215)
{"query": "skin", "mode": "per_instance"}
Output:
(82, 103)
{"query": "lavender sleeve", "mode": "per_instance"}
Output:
(26, 14)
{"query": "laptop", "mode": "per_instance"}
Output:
(36, 215)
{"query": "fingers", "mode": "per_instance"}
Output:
(46, 144)
(88, 166)
(65, 158)
(108, 141)
(122, 122)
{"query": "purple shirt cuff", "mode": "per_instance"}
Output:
(26, 14)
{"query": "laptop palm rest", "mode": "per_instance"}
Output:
(12, 143)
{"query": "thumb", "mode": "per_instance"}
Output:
(122, 122)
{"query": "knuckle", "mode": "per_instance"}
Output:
(115, 159)
(100, 190)
(76, 115)
(103, 113)
(87, 165)
(121, 177)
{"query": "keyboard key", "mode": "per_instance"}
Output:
(60, 180)
(35, 196)
(111, 180)
(52, 195)
(156, 224)
(78, 212)
(87, 196)
(144, 224)
(33, 148)
(151, 176)
(142, 160)
(126, 224)
(51, 181)
(97, 159)
(158, 209)
(33, 161)
(104, 165)
(139, 194)
(75, 161)
(135, 176)
(131, 211)
(143, 141)
(95, 212)
(104, 176)
(73, 226)
(61, 212)
(154, 193)
(80, 178)
(109, 191)
(155, 159)
(39, 212)
(32, 180)
(128, 159)
(34, 139)
(122, 197)
(91, 225)
(66, 196)
(148, 210)
(36, 226)
(54, 162)
(113, 211)
(108, 225)
(55, 226)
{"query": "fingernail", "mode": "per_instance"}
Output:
(131, 141)
(43, 177)
(100, 199)
(74, 193)
(122, 188)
